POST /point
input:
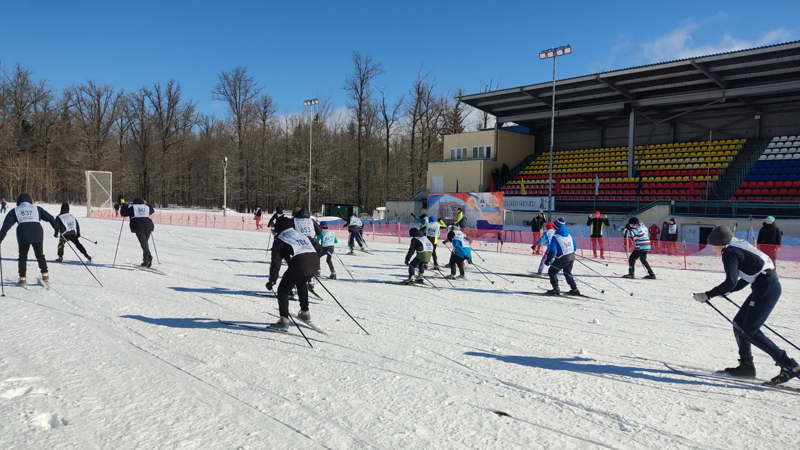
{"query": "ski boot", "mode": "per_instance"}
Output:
(333, 276)
(305, 316)
(651, 276)
(351, 252)
(743, 370)
(280, 325)
(436, 267)
(553, 292)
(88, 258)
(319, 273)
(22, 281)
(789, 369)
(46, 277)
(410, 280)
(450, 277)
(60, 259)
(629, 275)
(420, 279)
(574, 292)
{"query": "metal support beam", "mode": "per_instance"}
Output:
(631, 141)
(619, 89)
(709, 74)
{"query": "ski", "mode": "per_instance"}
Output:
(310, 325)
(525, 275)
(732, 380)
(312, 292)
(255, 327)
(148, 269)
(271, 295)
(562, 294)
(401, 283)
(45, 284)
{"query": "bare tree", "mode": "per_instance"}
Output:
(487, 87)
(389, 114)
(95, 109)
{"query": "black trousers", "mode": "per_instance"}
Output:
(766, 290)
(144, 237)
(559, 265)
(456, 261)
(293, 277)
(416, 264)
(328, 251)
(640, 255)
(74, 239)
(38, 250)
(435, 259)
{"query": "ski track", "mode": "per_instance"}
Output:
(155, 371)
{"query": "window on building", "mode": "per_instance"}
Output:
(458, 153)
(482, 152)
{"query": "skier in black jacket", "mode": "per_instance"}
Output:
(305, 224)
(537, 224)
(278, 213)
(744, 264)
(141, 225)
(70, 230)
(423, 249)
(302, 255)
(29, 234)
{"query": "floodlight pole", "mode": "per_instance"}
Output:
(546, 54)
(224, 186)
(310, 103)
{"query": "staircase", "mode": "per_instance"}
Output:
(729, 182)
(516, 170)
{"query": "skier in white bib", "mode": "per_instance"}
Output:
(29, 234)
(70, 230)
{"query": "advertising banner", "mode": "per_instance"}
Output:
(483, 210)
(521, 203)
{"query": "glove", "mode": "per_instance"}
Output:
(469, 260)
(55, 234)
(270, 285)
(406, 263)
(701, 297)
(547, 262)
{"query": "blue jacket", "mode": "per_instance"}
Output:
(556, 248)
(460, 250)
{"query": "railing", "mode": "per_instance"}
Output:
(516, 170)
(746, 168)
(787, 210)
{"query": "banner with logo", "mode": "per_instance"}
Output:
(520, 203)
(483, 210)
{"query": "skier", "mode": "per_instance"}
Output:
(597, 224)
(744, 264)
(461, 252)
(257, 217)
(141, 225)
(305, 224)
(545, 239)
(302, 255)
(29, 234)
(278, 213)
(354, 227)
(327, 240)
(3, 205)
(70, 230)
(432, 232)
(641, 241)
(561, 256)
(423, 249)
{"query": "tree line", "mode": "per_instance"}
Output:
(159, 147)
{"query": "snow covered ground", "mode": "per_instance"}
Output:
(143, 363)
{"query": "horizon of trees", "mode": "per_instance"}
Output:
(160, 148)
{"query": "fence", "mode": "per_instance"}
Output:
(674, 255)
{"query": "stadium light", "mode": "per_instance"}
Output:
(546, 54)
(311, 103)
(224, 186)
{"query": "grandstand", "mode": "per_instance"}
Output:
(776, 175)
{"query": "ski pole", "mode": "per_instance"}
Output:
(80, 259)
(154, 247)
(605, 277)
(479, 256)
(765, 326)
(93, 242)
(118, 239)
(295, 323)
(592, 260)
(431, 283)
(596, 289)
(340, 305)
(446, 279)
(743, 333)
(269, 241)
(345, 266)
(498, 276)
(2, 280)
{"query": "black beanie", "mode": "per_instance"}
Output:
(64, 208)
(633, 221)
(720, 235)
(282, 224)
(414, 232)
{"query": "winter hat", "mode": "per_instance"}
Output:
(559, 223)
(431, 219)
(64, 208)
(324, 225)
(295, 211)
(414, 232)
(283, 224)
(633, 221)
(720, 235)
(24, 198)
(771, 219)
(548, 226)
(597, 213)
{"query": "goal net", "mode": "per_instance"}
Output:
(98, 191)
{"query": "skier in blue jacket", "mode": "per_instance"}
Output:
(561, 256)
(461, 252)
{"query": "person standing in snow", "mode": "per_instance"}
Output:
(461, 252)
(327, 241)
(423, 248)
(141, 225)
(432, 233)
(545, 240)
(597, 225)
(641, 242)
(769, 239)
(561, 256)
(3, 205)
(29, 234)
(745, 264)
(537, 225)
(257, 217)
(461, 221)
(69, 230)
(654, 232)
(302, 256)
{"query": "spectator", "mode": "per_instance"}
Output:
(672, 231)
(3, 205)
(116, 209)
(495, 179)
(769, 239)
(537, 224)
(663, 238)
(653, 231)
(597, 224)
(504, 172)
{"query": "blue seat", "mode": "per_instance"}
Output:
(783, 176)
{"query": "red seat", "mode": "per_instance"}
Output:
(761, 184)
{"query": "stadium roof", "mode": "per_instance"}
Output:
(756, 79)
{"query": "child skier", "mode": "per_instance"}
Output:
(423, 248)
(641, 240)
(432, 227)
(141, 225)
(461, 252)
(561, 256)
(354, 225)
(69, 230)
(744, 264)
(545, 239)
(302, 255)
(327, 240)
(29, 234)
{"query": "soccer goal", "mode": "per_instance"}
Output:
(98, 191)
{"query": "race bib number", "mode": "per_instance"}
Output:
(69, 222)
(673, 229)
(565, 242)
(300, 243)
(328, 239)
(27, 213)
(141, 211)
(427, 246)
(356, 221)
(432, 230)
(305, 227)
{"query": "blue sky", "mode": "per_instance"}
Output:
(298, 50)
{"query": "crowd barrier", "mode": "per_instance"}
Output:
(675, 255)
